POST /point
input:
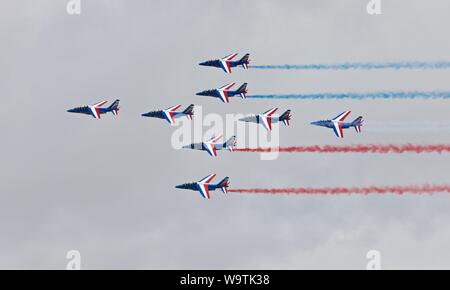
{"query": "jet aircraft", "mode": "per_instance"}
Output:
(267, 120)
(212, 145)
(204, 186)
(171, 113)
(227, 62)
(97, 110)
(225, 92)
(337, 124)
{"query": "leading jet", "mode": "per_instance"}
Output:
(212, 145)
(225, 92)
(97, 110)
(337, 124)
(227, 62)
(204, 186)
(267, 119)
(170, 114)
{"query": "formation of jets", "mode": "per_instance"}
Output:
(267, 119)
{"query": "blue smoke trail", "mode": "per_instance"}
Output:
(361, 65)
(359, 96)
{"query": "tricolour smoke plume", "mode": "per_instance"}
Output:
(397, 190)
(358, 96)
(360, 66)
(369, 148)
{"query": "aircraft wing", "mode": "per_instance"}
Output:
(203, 189)
(341, 117)
(99, 104)
(223, 92)
(210, 146)
(95, 111)
(214, 139)
(173, 109)
(226, 66)
(226, 62)
(337, 128)
(224, 96)
(207, 179)
(211, 149)
(226, 87)
(229, 57)
(266, 118)
(169, 113)
(202, 185)
(267, 122)
(169, 116)
(270, 112)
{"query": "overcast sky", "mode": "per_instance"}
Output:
(106, 187)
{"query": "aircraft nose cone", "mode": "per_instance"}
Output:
(202, 63)
(179, 186)
(70, 111)
(314, 123)
(201, 93)
(145, 115)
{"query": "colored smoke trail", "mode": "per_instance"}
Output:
(369, 148)
(397, 190)
(361, 65)
(358, 96)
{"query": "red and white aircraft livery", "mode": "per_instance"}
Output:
(225, 92)
(267, 118)
(204, 186)
(227, 62)
(96, 110)
(171, 113)
(338, 124)
(212, 145)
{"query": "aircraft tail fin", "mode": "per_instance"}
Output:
(243, 90)
(245, 60)
(189, 111)
(230, 144)
(286, 117)
(357, 123)
(224, 184)
(114, 108)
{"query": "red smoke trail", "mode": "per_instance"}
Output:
(397, 190)
(370, 148)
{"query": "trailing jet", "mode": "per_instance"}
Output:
(171, 113)
(337, 124)
(204, 185)
(212, 145)
(267, 120)
(97, 110)
(225, 92)
(227, 62)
